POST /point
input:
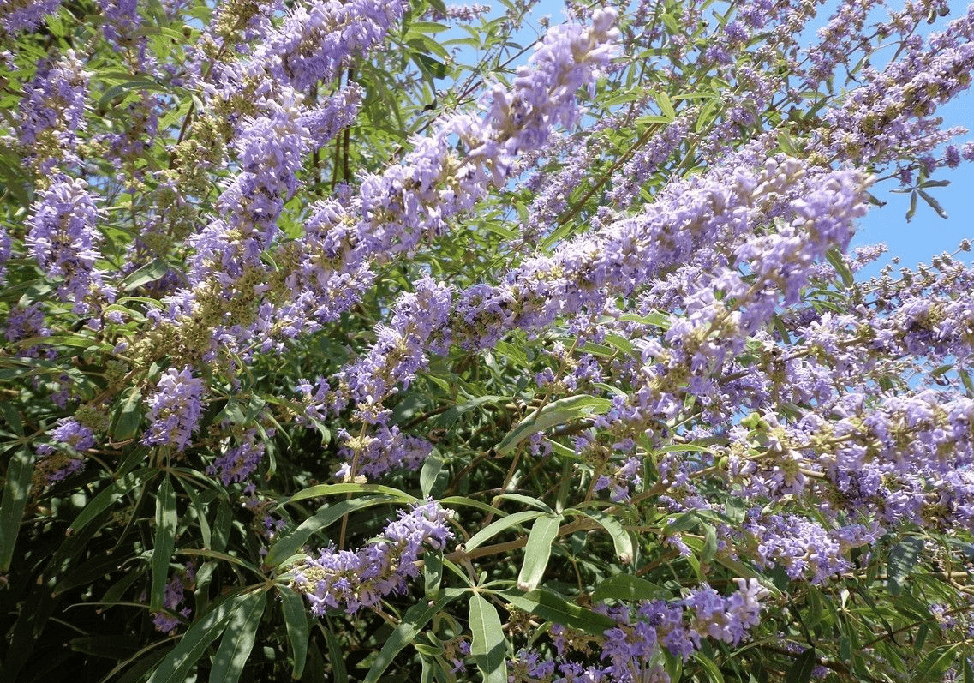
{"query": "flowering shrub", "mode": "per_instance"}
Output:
(354, 341)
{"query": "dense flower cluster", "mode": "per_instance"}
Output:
(631, 651)
(64, 454)
(64, 238)
(19, 15)
(174, 409)
(352, 580)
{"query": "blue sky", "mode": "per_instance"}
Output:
(927, 234)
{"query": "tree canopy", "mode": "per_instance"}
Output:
(359, 341)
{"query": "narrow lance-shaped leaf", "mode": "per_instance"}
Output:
(162, 550)
(488, 646)
(177, 664)
(622, 542)
(499, 525)
(802, 668)
(238, 639)
(15, 490)
(537, 551)
(552, 607)
(296, 621)
(414, 620)
(288, 544)
(555, 413)
(336, 656)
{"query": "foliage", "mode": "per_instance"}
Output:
(359, 342)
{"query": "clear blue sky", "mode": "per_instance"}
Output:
(927, 234)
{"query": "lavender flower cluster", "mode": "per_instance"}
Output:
(631, 651)
(343, 579)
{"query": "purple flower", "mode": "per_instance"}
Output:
(352, 580)
(26, 14)
(174, 409)
(239, 462)
(62, 456)
(172, 598)
(64, 237)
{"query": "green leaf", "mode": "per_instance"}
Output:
(340, 489)
(666, 106)
(522, 498)
(336, 657)
(939, 660)
(296, 621)
(628, 588)
(497, 526)
(552, 607)
(835, 259)
(177, 664)
(108, 496)
(15, 490)
(415, 618)
(222, 526)
(555, 413)
(144, 275)
(710, 668)
(622, 542)
(470, 502)
(710, 544)
(162, 550)
(933, 203)
(288, 544)
(488, 646)
(428, 475)
(656, 319)
(432, 573)
(537, 552)
(238, 639)
(903, 558)
(801, 669)
(785, 143)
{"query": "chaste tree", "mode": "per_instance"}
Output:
(376, 341)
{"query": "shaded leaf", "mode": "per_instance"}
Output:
(415, 618)
(552, 607)
(238, 638)
(802, 668)
(177, 664)
(165, 541)
(15, 490)
(628, 588)
(296, 622)
(488, 646)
